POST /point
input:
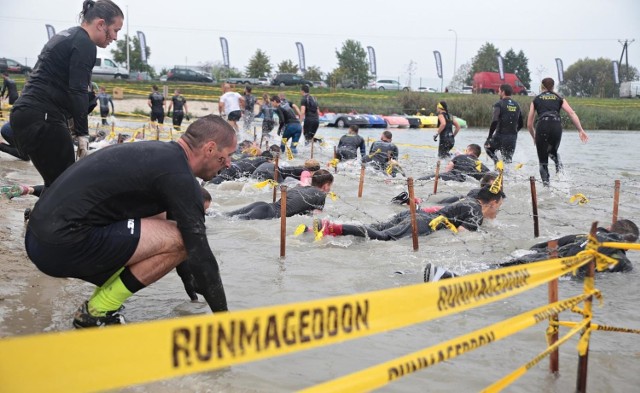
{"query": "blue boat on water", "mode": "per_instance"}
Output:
(375, 121)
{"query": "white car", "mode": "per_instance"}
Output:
(467, 90)
(264, 81)
(426, 90)
(108, 69)
(386, 84)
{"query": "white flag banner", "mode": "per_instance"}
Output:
(500, 66)
(436, 54)
(301, 61)
(143, 47)
(560, 70)
(372, 60)
(225, 51)
(51, 31)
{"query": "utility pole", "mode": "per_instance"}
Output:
(127, 40)
(455, 53)
(625, 53)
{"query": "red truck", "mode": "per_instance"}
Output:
(489, 82)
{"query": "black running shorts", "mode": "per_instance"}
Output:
(234, 116)
(94, 259)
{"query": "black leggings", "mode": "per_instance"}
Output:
(45, 140)
(255, 211)
(548, 137)
(506, 143)
(445, 146)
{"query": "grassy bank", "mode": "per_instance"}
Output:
(594, 113)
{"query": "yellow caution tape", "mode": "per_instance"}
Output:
(500, 166)
(621, 245)
(478, 166)
(333, 163)
(287, 149)
(442, 220)
(318, 231)
(384, 373)
(268, 182)
(603, 328)
(405, 156)
(582, 200)
(332, 195)
(375, 152)
(507, 380)
(187, 345)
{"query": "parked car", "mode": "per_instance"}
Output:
(264, 81)
(426, 90)
(13, 67)
(387, 84)
(467, 90)
(108, 69)
(243, 81)
(189, 75)
(319, 84)
(290, 80)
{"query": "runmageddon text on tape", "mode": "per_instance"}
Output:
(118, 356)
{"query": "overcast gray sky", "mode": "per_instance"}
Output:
(188, 31)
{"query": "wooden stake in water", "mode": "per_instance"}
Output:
(616, 201)
(583, 360)
(554, 357)
(312, 148)
(435, 183)
(534, 204)
(335, 157)
(283, 219)
(276, 175)
(255, 136)
(361, 185)
(412, 208)
(144, 126)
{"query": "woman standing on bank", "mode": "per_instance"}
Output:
(548, 132)
(58, 90)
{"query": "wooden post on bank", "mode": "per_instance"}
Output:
(583, 360)
(534, 203)
(335, 157)
(412, 207)
(283, 219)
(435, 183)
(616, 201)
(361, 185)
(554, 358)
(276, 175)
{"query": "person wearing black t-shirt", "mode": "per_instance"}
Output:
(300, 200)
(156, 103)
(309, 114)
(507, 121)
(548, 132)
(104, 100)
(622, 231)
(180, 110)
(446, 131)
(104, 224)
(467, 214)
(462, 166)
(9, 89)
(290, 127)
(57, 90)
(349, 144)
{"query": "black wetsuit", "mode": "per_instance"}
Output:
(267, 171)
(238, 169)
(447, 140)
(157, 107)
(507, 121)
(311, 118)
(464, 165)
(104, 100)
(572, 244)
(472, 194)
(348, 147)
(57, 90)
(10, 90)
(64, 232)
(266, 110)
(466, 213)
(300, 200)
(178, 110)
(548, 131)
(380, 153)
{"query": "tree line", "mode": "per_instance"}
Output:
(586, 77)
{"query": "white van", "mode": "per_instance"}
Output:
(108, 69)
(630, 89)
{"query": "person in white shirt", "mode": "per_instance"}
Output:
(229, 105)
